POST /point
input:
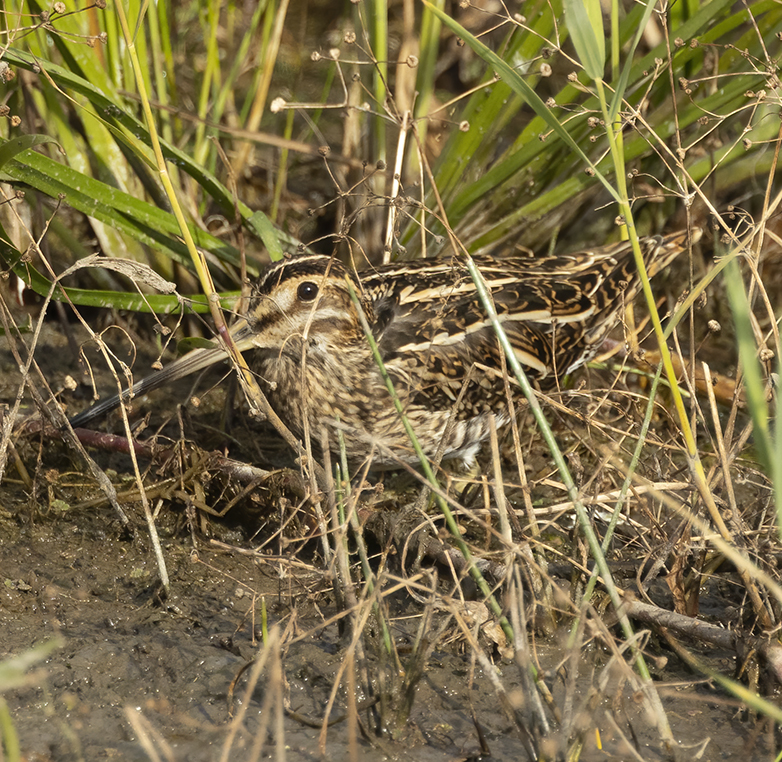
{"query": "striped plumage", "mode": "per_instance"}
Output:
(314, 364)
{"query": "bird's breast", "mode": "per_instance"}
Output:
(325, 383)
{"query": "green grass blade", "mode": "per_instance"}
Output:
(585, 24)
(11, 148)
(754, 386)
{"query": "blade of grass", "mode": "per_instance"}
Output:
(755, 389)
(134, 133)
(613, 133)
(585, 24)
(571, 490)
(426, 467)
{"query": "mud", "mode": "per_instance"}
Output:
(137, 669)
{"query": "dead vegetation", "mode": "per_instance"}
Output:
(572, 613)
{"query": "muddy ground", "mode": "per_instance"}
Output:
(132, 662)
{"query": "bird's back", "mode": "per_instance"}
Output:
(555, 310)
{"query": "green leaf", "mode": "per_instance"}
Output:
(585, 24)
(263, 226)
(754, 386)
(621, 86)
(517, 83)
(139, 219)
(12, 147)
(193, 342)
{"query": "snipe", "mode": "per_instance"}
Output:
(306, 344)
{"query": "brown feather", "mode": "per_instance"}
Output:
(306, 344)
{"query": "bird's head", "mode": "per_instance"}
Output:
(308, 298)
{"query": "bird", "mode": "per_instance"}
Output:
(306, 344)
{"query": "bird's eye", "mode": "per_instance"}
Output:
(307, 291)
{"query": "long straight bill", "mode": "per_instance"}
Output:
(194, 361)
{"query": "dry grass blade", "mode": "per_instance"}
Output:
(379, 615)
